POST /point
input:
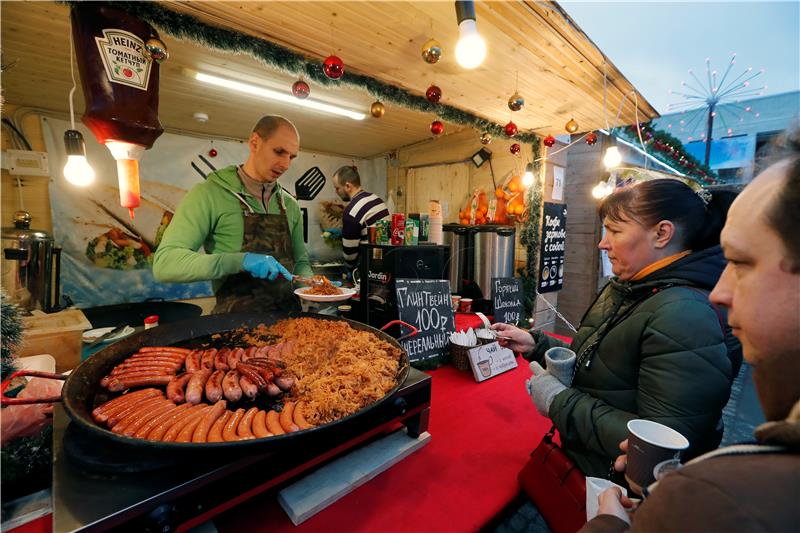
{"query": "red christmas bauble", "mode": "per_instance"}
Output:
(333, 67)
(300, 89)
(437, 128)
(515, 148)
(549, 141)
(591, 138)
(511, 129)
(433, 94)
(212, 152)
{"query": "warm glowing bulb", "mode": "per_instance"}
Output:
(612, 158)
(78, 171)
(471, 48)
(600, 190)
(527, 178)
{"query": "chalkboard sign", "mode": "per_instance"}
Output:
(426, 304)
(551, 250)
(507, 300)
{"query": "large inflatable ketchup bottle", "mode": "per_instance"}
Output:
(120, 85)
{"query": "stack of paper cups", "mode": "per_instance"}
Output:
(435, 233)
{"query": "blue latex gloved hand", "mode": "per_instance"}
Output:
(264, 267)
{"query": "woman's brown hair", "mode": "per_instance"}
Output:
(698, 224)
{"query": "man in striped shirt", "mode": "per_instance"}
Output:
(364, 209)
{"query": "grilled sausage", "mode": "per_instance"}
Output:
(285, 383)
(230, 386)
(101, 412)
(299, 417)
(146, 349)
(274, 424)
(201, 432)
(183, 421)
(146, 417)
(234, 356)
(186, 432)
(115, 419)
(245, 427)
(161, 356)
(229, 431)
(214, 386)
(252, 374)
(176, 388)
(160, 429)
(149, 361)
(260, 425)
(215, 433)
(145, 430)
(249, 389)
(196, 386)
(136, 373)
(221, 359)
(287, 423)
(208, 358)
(120, 384)
(193, 360)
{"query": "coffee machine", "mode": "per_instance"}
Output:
(31, 266)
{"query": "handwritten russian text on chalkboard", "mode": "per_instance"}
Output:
(426, 304)
(507, 300)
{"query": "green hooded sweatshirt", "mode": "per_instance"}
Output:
(211, 217)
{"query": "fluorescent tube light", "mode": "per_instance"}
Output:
(279, 96)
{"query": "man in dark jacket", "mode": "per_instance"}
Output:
(760, 287)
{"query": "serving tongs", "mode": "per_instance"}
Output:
(313, 281)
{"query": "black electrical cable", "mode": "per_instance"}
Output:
(18, 133)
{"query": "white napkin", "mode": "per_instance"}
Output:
(594, 486)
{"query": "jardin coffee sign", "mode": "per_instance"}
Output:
(123, 57)
(551, 250)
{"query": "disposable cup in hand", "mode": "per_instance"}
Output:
(559, 353)
(650, 443)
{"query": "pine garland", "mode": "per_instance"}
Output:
(10, 334)
(530, 233)
(670, 150)
(187, 27)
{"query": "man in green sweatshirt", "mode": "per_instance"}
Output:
(250, 227)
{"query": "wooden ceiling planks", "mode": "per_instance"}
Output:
(560, 70)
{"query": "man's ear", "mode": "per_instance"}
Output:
(252, 143)
(665, 233)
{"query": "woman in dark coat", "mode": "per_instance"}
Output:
(651, 345)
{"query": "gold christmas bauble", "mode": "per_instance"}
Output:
(377, 109)
(431, 51)
(156, 50)
(571, 126)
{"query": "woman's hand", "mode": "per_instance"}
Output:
(613, 502)
(518, 340)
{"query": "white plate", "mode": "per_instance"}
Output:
(345, 294)
(92, 334)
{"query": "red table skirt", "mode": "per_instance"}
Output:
(482, 435)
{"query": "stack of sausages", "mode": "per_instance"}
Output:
(148, 414)
(232, 373)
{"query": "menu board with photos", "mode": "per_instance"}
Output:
(426, 305)
(507, 300)
(551, 247)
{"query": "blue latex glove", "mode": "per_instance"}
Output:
(264, 267)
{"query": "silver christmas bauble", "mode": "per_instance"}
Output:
(156, 50)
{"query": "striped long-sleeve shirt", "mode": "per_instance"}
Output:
(364, 209)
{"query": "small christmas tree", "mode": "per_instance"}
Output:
(10, 334)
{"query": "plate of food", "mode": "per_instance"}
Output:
(320, 289)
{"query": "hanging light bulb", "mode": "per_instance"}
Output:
(471, 48)
(612, 158)
(77, 171)
(600, 190)
(527, 178)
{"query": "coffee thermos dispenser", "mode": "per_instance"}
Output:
(31, 266)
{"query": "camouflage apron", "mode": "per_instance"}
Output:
(263, 234)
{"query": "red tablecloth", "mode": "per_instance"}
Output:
(482, 434)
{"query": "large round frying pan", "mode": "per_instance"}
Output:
(82, 392)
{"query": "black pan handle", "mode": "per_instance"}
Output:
(4, 400)
(412, 333)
